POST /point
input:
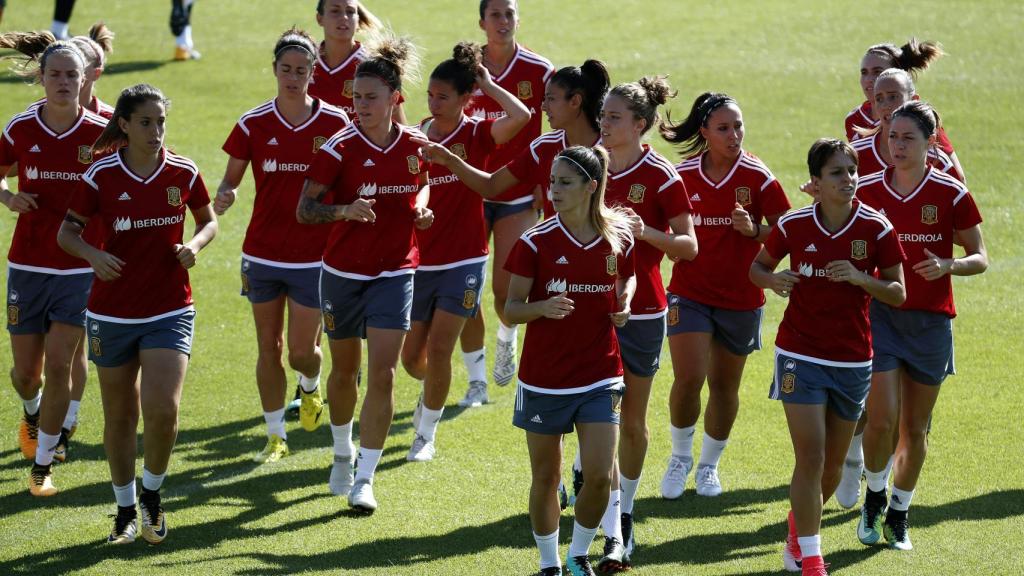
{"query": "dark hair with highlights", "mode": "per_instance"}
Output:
(687, 133)
(922, 113)
(112, 137)
(643, 98)
(912, 56)
(296, 39)
(460, 69)
(393, 59)
(591, 82)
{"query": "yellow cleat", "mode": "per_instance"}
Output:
(311, 411)
(28, 435)
(275, 449)
(182, 53)
(40, 481)
(60, 451)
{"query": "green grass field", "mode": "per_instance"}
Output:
(793, 66)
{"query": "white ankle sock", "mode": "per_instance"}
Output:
(900, 499)
(629, 488)
(682, 441)
(611, 522)
(32, 406)
(429, 420)
(810, 546)
(476, 365)
(582, 538)
(877, 481)
(343, 440)
(125, 495)
(711, 451)
(71, 418)
(548, 547)
(507, 333)
(366, 464)
(44, 449)
(152, 482)
(275, 423)
(59, 29)
(308, 384)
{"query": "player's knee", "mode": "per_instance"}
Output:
(24, 382)
(599, 480)
(634, 431)
(299, 358)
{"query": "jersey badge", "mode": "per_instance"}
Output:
(174, 196)
(318, 142)
(929, 214)
(743, 196)
(636, 193)
(525, 89)
(12, 314)
(347, 90)
(85, 154)
(414, 164)
(459, 150)
(788, 382)
(858, 249)
(469, 299)
(611, 265)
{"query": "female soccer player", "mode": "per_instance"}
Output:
(571, 283)
(572, 100)
(647, 186)
(369, 179)
(714, 312)
(280, 257)
(140, 315)
(46, 289)
(95, 46)
(823, 348)
(453, 251)
(913, 343)
(523, 73)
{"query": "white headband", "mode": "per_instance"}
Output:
(578, 165)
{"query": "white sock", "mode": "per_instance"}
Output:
(428, 422)
(577, 464)
(900, 499)
(682, 441)
(629, 488)
(366, 464)
(507, 333)
(343, 440)
(125, 495)
(877, 481)
(44, 449)
(548, 546)
(32, 406)
(476, 365)
(611, 523)
(309, 384)
(582, 538)
(711, 450)
(72, 416)
(810, 546)
(856, 451)
(152, 482)
(185, 38)
(59, 29)
(275, 423)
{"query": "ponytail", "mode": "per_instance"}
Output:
(36, 48)
(643, 98)
(460, 69)
(96, 45)
(392, 59)
(687, 133)
(913, 56)
(591, 82)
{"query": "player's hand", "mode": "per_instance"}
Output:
(808, 188)
(741, 221)
(106, 266)
(636, 224)
(844, 271)
(186, 255)
(557, 307)
(933, 267)
(424, 217)
(620, 318)
(360, 211)
(483, 78)
(22, 203)
(433, 152)
(784, 281)
(223, 201)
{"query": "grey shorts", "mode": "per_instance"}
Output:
(262, 283)
(738, 330)
(455, 290)
(555, 414)
(113, 344)
(640, 343)
(351, 306)
(37, 299)
(842, 389)
(494, 211)
(918, 341)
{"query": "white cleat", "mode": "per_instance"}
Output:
(361, 497)
(476, 395)
(504, 362)
(848, 491)
(707, 480)
(422, 450)
(340, 482)
(673, 483)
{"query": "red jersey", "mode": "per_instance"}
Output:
(334, 85)
(651, 188)
(533, 164)
(102, 108)
(525, 77)
(144, 218)
(827, 322)
(49, 166)
(352, 167)
(579, 352)
(863, 117)
(718, 276)
(280, 154)
(869, 159)
(926, 218)
(459, 233)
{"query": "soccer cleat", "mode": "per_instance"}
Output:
(577, 485)
(550, 571)
(673, 483)
(791, 555)
(476, 395)
(563, 496)
(626, 521)
(275, 449)
(814, 566)
(124, 526)
(311, 409)
(578, 566)
(182, 53)
(340, 482)
(40, 481)
(154, 521)
(60, 451)
(361, 497)
(708, 483)
(422, 450)
(897, 530)
(504, 362)
(613, 560)
(28, 434)
(869, 527)
(848, 491)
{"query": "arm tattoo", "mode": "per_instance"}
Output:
(311, 211)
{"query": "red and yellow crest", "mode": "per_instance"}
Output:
(929, 214)
(347, 90)
(636, 193)
(743, 196)
(469, 299)
(673, 315)
(788, 383)
(616, 401)
(174, 196)
(329, 321)
(318, 141)
(85, 154)
(459, 150)
(525, 89)
(12, 314)
(95, 347)
(611, 265)
(414, 163)
(858, 249)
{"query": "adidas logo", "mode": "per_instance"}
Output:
(695, 198)
(368, 163)
(35, 148)
(562, 260)
(124, 196)
(536, 419)
(811, 248)
(272, 141)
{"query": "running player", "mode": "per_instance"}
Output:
(572, 282)
(280, 257)
(823, 348)
(47, 289)
(140, 315)
(647, 186)
(453, 251)
(369, 179)
(181, 29)
(523, 73)
(913, 343)
(714, 312)
(95, 47)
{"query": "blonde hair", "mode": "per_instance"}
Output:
(97, 44)
(35, 49)
(609, 221)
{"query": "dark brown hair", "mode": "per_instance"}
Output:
(460, 69)
(643, 98)
(912, 56)
(590, 81)
(687, 133)
(825, 148)
(128, 102)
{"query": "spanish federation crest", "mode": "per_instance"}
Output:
(95, 346)
(673, 315)
(788, 382)
(347, 90)
(611, 265)
(469, 299)
(174, 196)
(12, 314)
(85, 154)
(459, 150)
(414, 164)
(743, 196)
(636, 193)
(858, 249)
(525, 89)
(929, 214)
(318, 141)
(616, 401)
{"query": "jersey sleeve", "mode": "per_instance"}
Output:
(890, 251)
(774, 200)
(673, 199)
(8, 154)
(522, 260)
(326, 166)
(238, 144)
(526, 168)
(944, 142)
(86, 197)
(777, 244)
(965, 212)
(626, 260)
(198, 196)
